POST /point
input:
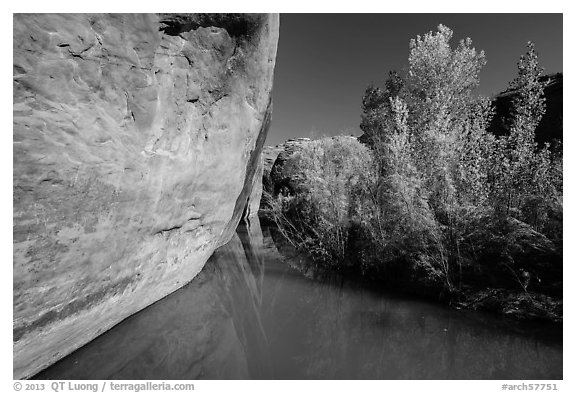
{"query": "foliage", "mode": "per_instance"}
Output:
(526, 185)
(465, 174)
(439, 198)
(331, 176)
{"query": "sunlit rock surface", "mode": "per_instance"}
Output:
(136, 141)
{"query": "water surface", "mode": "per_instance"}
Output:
(252, 314)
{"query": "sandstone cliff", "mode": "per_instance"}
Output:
(253, 203)
(136, 142)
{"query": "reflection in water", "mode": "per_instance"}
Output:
(250, 314)
(209, 329)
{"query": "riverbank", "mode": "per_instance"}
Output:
(513, 304)
(256, 312)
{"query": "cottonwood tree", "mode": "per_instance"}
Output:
(377, 109)
(428, 129)
(526, 182)
(444, 116)
(440, 87)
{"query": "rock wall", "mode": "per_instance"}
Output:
(279, 176)
(253, 203)
(136, 141)
(269, 155)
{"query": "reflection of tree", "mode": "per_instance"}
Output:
(353, 332)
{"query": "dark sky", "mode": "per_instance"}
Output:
(325, 61)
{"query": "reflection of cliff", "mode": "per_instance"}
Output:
(252, 239)
(243, 294)
(209, 329)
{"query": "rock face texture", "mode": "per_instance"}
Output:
(278, 178)
(269, 155)
(136, 142)
(253, 203)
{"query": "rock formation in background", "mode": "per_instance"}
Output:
(137, 140)
(269, 155)
(275, 175)
(550, 127)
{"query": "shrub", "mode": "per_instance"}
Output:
(331, 178)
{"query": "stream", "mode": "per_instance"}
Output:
(252, 314)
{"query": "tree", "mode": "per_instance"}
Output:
(525, 181)
(440, 96)
(331, 177)
(529, 104)
(428, 131)
(377, 109)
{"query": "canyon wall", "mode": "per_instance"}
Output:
(136, 143)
